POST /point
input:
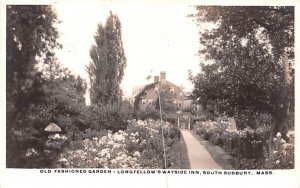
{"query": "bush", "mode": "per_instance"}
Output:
(244, 143)
(109, 117)
(148, 113)
(249, 147)
(281, 155)
(174, 133)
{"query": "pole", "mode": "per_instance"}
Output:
(162, 131)
(189, 122)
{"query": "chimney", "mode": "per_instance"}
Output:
(162, 75)
(156, 79)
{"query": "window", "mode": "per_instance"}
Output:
(172, 90)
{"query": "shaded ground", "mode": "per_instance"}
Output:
(202, 155)
(179, 151)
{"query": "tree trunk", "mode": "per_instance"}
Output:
(282, 114)
(279, 122)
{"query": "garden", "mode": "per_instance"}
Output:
(250, 148)
(138, 146)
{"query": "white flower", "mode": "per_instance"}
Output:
(284, 152)
(95, 138)
(96, 158)
(287, 146)
(282, 141)
(94, 150)
(105, 153)
(30, 152)
(111, 142)
(278, 135)
(63, 160)
(118, 137)
(136, 154)
(103, 139)
(277, 162)
(275, 151)
(79, 152)
(290, 133)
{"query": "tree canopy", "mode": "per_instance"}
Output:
(251, 55)
(31, 35)
(38, 89)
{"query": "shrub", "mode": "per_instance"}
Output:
(245, 143)
(174, 133)
(250, 147)
(110, 117)
(147, 113)
(281, 152)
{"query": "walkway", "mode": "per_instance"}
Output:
(199, 157)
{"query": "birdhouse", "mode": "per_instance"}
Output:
(52, 128)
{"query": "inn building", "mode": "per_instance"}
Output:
(146, 96)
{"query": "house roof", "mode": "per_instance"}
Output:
(149, 86)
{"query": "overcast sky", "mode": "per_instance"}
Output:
(156, 37)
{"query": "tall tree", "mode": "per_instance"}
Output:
(31, 35)
(251, 50)
(31, 38)
(108, 62)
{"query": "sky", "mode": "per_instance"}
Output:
(156, 37)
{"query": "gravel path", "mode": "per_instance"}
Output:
(199, 157)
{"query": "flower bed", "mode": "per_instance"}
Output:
(248, 147)
(139, 146)
(281, 155)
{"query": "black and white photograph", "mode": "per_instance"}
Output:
(113, 85)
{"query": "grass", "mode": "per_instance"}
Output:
(178, 155)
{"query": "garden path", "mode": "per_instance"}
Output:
(199, 157)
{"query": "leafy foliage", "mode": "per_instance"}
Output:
(251, 54)
(31, 37)
(108, 61)
(138, 146)
(39, 89)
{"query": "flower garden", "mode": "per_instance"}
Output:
(138, 146)
(250, 148)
